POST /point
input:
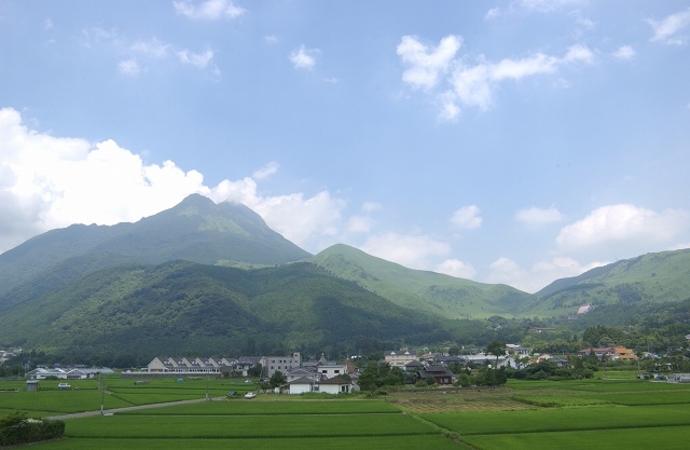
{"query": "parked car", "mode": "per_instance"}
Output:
(250, 395)
(64, 386)
(231, 393)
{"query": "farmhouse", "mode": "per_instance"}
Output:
(440, 374)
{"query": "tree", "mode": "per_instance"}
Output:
(277, 379)
(255, 370)
(496, 348)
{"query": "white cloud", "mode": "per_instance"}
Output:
(425, 65)
(153, 48)
(468, 218)
(456, 268)
(271, 39)
(208, 10)
(303, 221)
(506, 271)
(413, 251)
(371, 206)
(474, 85)
(667, 29)
(360, 224)
(536, 217)
(129, 67)
(200, 60)
(549, 5)
(624, 52)
(541, 274)
(50, 182)
(303, 58)
(266, 171)
(492, 14)
(623, 227)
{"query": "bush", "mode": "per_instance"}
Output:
(17, 429)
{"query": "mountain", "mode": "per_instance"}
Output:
(421, 290)
(187, 308)
(652, 278)
(195, 230)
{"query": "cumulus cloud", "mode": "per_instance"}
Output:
(624, 52)
(475, 85)
(415, 251)
(360, 224)
(536, 217)
(467, 218)
(668, 29)
(506, 271)
(195, 59)
(49, 182)
(425, 65)
(303, 58)
(623, 227)
(456, 268)
(208, 10)
(472, 85)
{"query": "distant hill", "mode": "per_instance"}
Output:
(187, 308)
(652, 278)
(195, 230)
(422, 290)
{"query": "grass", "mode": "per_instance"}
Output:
(561, 419)
(667, 438)
(436, 442)
(612, 414)
(258, 427)
(244, 407)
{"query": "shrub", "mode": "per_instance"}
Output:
(17, 429)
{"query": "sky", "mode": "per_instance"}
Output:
(511, 142)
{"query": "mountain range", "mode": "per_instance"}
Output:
(214, 278)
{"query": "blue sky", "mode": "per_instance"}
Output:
(506, 142)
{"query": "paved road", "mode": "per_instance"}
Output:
(130, 408)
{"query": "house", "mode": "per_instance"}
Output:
(440, 374)
(301, 386)
(399, 358)
(335, 385)
(517, 350)
(614, 353)
(413, 366)
(244, 363)
(295, 373)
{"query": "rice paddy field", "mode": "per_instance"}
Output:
(600, 413)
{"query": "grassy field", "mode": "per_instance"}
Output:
(601, 413)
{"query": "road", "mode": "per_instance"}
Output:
(129, 408)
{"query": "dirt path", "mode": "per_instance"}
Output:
(129, 408)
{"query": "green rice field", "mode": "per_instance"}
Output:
(601, 413)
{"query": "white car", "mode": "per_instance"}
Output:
(250, 395)
(64, 386)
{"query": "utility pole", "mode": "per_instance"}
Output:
(102, 388)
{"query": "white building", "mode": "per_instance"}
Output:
(399, 358)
